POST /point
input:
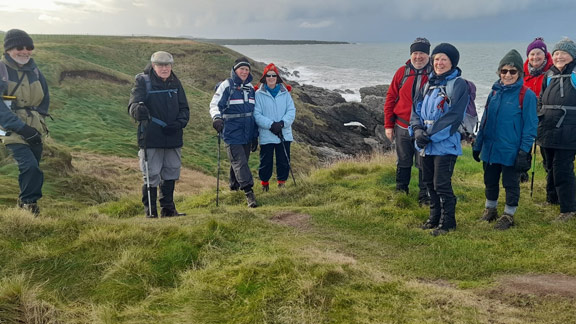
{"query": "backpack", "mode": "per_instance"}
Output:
(469, 125)
(407, 74)
(230, 89)
(550, 75)
(149, 91)
(520, 100)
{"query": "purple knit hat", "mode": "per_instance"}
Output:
(537, 43)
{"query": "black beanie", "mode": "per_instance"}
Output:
(512, 58)
(242, 61)
(16, 37)
(420, 44)
(450, 51)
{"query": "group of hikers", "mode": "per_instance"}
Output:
(532, 102)
(535, 100)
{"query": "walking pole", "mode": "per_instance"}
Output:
(287, 157)
(143, 131)
(533, 167)
(218, 172)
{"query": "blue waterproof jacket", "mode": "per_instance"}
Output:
(439, 115)
(507, 125)
(271, 109)
(238, 112)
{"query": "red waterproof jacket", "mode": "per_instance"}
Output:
(398, 104)
(535, 82)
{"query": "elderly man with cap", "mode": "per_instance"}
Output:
(28, 100)
(407, 82)
(159, 104)
(557, 128)
(434, 122)
(232, 112)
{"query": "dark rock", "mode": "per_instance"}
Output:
(376, 105)
(379, 91)
(319, 96)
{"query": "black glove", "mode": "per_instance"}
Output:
(141, 113)
(523, 161)
(218, 124)
(276, 127)
(421, 138)
(171, 129)
(476, 155)
(254, 145)
(30, 135)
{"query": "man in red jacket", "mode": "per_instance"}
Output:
(407, 82)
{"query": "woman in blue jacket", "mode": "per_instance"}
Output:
(505, 137)
(437, 114)
(274, 113)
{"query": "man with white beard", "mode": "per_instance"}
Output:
(26, 95)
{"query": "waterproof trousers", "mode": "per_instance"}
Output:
(437, 175)
(560, 179)
(267, 153)
(240, 175)
(510, 182)
(407, 155)
(31, 178)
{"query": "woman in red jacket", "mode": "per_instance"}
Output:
(537, 63)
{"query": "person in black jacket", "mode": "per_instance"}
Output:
(557, 128)
(159, 104)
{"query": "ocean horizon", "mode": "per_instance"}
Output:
(342, 67)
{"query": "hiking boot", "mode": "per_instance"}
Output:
(440, 231)
(251, 199)
(424, 201)
(428, 225)
(504, 222)
(169, 212)
(31, 207)
(265, 188)
(489, 215)
(281, 185)
(403, 189)
(564, 217)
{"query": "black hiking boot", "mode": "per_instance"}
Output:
(265, 187)
(504, 222)
(489, 215)
(440, 231)
(167, 207)
(281, 185)
(251, 199)
(31, 207)
(428, 225)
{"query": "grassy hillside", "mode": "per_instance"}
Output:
(339, 247)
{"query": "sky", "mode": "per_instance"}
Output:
(332, 20)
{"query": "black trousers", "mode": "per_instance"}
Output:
(267, 153)
(437, 173)
(510, 182)
(31, 178)
(407, 155)
(560, 179)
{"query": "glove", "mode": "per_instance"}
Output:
(421, 138)
(30, 135)
(218, 124)
(171, 129)
(523, 161)
(141, 113)
(276, 127)
(476, 155)
(254, 145)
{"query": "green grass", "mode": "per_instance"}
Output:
(353, 252)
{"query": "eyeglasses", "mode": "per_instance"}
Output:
(28, 48)
(271, 75)
(505, 71)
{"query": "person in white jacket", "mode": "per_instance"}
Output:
(274, 113)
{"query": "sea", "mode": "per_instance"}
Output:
(352, 66)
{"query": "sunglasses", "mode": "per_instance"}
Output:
(29, 48)
(512, 72)
(271, 75)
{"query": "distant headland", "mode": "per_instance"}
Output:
(262, 41)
